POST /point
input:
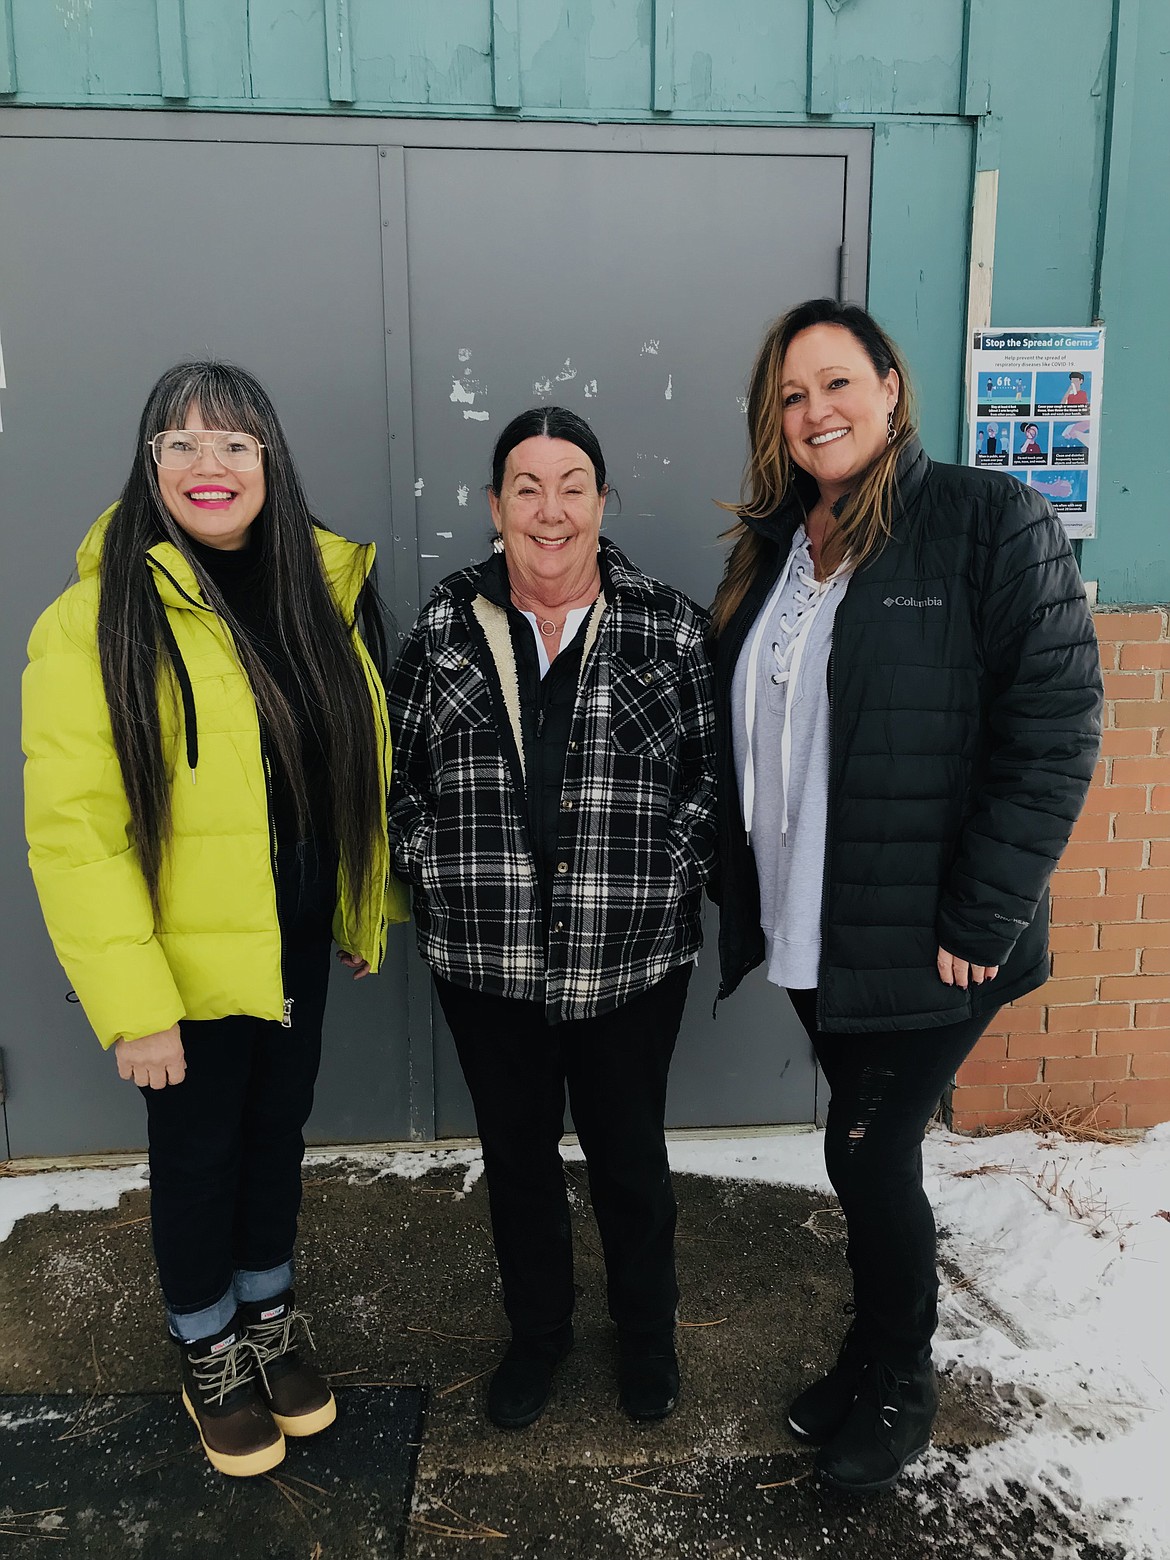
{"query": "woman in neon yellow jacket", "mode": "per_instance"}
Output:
(207, 766)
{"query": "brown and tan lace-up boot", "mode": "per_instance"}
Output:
(297, 1395)
(221, 1393)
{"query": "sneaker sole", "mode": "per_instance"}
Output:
(306, 1424)
(878, 1484)
(245, 1466)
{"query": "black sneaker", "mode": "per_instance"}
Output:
(522, 1385)
(817, 1413)
(297, 1395)
(648, 1378)
(221, 1395)
(887, 1427)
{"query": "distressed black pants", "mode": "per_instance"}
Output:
(517, 1066)
(884, 1090)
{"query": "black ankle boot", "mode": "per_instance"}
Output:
(817, 1413)
(887, 1427)
(522, 1384)
(648, 1378)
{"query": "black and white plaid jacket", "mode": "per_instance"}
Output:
(637, 837)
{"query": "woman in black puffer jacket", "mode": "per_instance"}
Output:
(908, 699)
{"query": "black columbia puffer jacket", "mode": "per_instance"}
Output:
(966, 719)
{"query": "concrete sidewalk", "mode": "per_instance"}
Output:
(399, 1277)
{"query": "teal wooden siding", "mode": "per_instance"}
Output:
(1069, 103)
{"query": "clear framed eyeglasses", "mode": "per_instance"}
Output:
(178, 448)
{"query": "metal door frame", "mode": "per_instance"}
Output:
(393, 138)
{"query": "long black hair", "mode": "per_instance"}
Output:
(547, 422)
(307, 624)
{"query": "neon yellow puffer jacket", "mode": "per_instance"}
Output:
(216, 947)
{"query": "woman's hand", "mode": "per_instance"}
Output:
(953, 971)
(360, 967)
(154, 1061)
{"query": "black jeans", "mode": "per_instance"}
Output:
(884, 1090)
(517, 1066)
(226, 1144)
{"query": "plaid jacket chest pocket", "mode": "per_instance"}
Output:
(644, 707)
(460, 697)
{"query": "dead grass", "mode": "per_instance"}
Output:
(633, 1481)
(48, 1523)
(1077, 1122)
(467, 1527)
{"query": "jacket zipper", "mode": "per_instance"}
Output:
(384, 727)
(743, 620)
(828, 833)
(287, 1002)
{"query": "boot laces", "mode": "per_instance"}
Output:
(217, 1375)
(888, 1393)
(270, 1341)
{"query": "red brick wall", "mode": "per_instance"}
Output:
(1098, 1034)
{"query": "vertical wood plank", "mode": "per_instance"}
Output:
(662, 60)
(172, 49)
(1118, 149)
(981, 271)
(979, 43)
(339, 51)
(814, 95)
(7, 49)
(506, 53)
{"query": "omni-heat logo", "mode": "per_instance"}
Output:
(913, 601)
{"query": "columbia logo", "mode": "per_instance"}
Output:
(913, 601)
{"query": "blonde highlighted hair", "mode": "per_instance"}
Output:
(770, 472)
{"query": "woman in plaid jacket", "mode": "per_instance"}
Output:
(552, 806)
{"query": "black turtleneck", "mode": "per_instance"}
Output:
(243, 581)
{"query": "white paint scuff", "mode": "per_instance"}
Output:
(476, 416)
(464, 354)
(590, 389)
(669, 386)
(446, 535)
(650, 348)
(460, 393)
(419, 484)
(461, 493)
(566, 373)
(542, 387)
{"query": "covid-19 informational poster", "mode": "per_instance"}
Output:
(1035, 408)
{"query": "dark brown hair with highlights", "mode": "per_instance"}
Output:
(768, 476)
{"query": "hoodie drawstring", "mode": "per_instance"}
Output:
(186, 695)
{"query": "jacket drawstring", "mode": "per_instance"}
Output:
(186, 695)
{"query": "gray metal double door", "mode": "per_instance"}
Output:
(403, 289)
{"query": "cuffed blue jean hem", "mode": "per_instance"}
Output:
(188, 1326)
(253, 1287)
